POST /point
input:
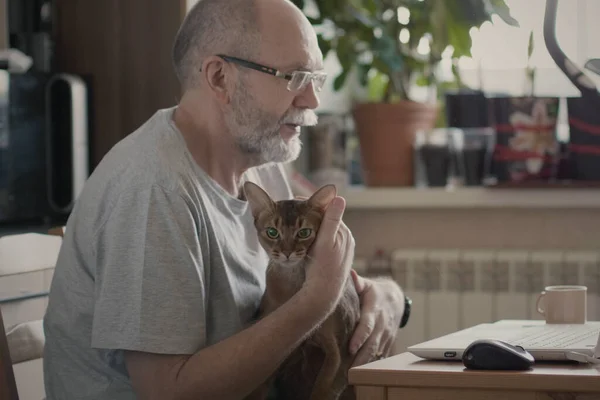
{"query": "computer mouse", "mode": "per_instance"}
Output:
(491, 354)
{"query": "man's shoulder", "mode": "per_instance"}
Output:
(152, 154)
(150, 158)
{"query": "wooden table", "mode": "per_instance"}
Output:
(408, 377)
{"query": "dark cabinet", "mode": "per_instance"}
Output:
(124, 49)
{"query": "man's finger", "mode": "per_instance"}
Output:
(332, 218)
(384, 341)
(363, 330)
(387, 347)
(368, 352)
(359, 282)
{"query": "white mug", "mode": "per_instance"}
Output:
(563, 304)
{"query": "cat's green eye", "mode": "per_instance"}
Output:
(272, 233)
(304, 233)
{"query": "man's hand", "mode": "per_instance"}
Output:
(331, 257)
(382, 306)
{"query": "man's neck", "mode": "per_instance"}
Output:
(212, 149)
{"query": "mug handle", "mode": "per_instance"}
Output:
(537, 303)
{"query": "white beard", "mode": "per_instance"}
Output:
(256, 132)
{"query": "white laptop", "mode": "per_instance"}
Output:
(546, 342)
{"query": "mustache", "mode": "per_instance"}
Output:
(305, 118)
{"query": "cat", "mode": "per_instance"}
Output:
(318, 368)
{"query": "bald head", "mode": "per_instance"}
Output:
(244, 29)
(210, 27)
(287, 37)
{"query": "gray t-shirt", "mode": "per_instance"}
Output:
(157, 257)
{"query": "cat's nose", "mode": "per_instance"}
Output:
(287, 253)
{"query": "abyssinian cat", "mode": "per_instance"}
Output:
(318, 368)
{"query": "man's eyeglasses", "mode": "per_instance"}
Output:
(298, 80)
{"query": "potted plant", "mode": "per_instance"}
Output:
(383, 41)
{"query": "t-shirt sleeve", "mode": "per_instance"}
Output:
(149, 287)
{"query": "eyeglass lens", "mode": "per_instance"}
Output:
(301, 79)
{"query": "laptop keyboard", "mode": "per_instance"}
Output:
(555, 337)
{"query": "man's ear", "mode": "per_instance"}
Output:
(218, 74)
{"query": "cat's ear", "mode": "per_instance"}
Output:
(258, 199)
(322, 197)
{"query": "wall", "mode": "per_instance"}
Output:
(460, 229)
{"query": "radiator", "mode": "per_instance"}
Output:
(456, 289)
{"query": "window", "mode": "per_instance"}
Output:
(501, 50)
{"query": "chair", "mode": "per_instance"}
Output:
(21, 343)
(26, 265)
(8, 385)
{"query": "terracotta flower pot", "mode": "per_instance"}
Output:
(386, 133)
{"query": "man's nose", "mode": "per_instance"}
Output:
(307, 98)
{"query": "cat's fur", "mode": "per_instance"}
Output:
(318, 368)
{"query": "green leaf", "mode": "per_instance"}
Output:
(326, 9)
(422, 81)
(381, 66)
(340, 80)
(459, 38)
(363, 74)
(299, 4)
(324, 45)
(362, 17)
(471, 12)
(500, 8)
(531, 45)
(345, 51)
(371, 6)
(386, 50)
(377, 86)
(439, 27)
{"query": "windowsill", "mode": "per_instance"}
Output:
(463, 198)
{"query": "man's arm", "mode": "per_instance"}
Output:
(234, 367)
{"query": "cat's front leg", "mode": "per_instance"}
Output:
(323, 388)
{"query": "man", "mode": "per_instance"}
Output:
(161, 272)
